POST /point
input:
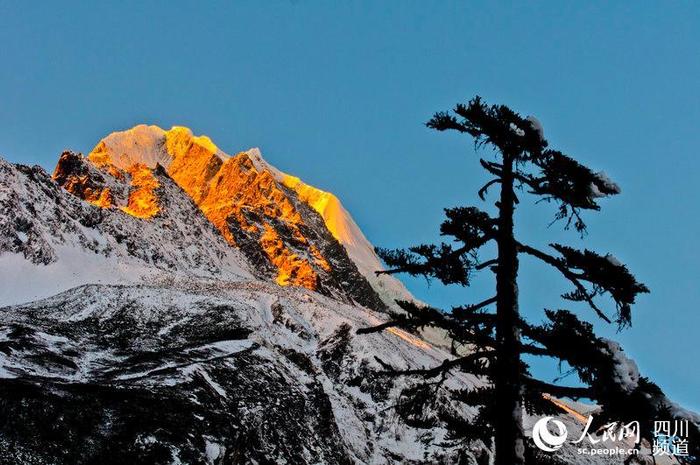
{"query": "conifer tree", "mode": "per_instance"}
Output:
(491, 344)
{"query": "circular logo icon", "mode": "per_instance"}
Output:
(543, 437)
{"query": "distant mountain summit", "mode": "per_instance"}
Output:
(287, 229)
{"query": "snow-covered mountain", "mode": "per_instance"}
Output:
(164, 302)
(162, 267)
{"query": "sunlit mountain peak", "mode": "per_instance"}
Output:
(266, 212)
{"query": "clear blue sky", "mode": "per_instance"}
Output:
(337, 93)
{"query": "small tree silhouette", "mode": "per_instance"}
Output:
(495, 342)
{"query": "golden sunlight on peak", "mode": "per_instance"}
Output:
(291, 269)
(104, 200)
(185, 135)
(325, 204)
(100, 154)
(121, 149)
(143, 201)
(243, 190)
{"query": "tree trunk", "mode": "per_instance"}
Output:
(509, 437)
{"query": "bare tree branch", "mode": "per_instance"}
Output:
(485, 264)
(484, 190)
(491, 167)
(475, 307)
